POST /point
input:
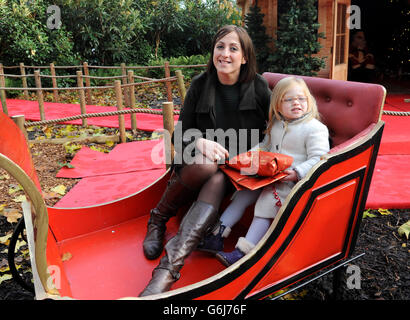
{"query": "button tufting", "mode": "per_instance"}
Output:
(349, 103)
(327, 99)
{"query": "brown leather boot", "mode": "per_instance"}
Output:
(176, 194)
(200, 217)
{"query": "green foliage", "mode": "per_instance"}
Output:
(25, 37)
(104, 31)
(184, 28)
(257, 32)
(13, 83)
(297, 40)
(108, 32)
(181, 60)
(201, 20)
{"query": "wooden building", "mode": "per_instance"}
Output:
(333, 17)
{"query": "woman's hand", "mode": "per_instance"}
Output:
(292, 175)
(212, 150)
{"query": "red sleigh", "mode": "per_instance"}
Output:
(315, 230)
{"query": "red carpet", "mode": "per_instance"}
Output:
(396, 135)
(397, 102)
(125, 157)
(101, 189)
(389, 188)
(128, 168)
(146, 122)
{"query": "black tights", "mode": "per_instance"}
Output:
(204, 176)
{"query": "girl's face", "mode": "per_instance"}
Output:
(228, 58)
(294, 103)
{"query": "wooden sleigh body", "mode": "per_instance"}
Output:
(96, 252)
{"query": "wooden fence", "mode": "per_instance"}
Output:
(124, 88)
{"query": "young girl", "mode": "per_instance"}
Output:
(293, 129)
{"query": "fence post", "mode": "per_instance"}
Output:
(132, 100)
(124, 81)
(120, 106)
(54, 81)
(81, 93)
(19, 120)
(181, 85)
(2, 91)
(87, 83)
(24, 80)
(40, 96)
(168, 120)
(168, 83)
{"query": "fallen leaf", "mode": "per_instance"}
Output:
(65, 164)
(366, 214)
(5, 239)
(60, 189)
(404, 229)
(5, 277)
(71, 148)
(48, 131)
(21, 198)
(12, 215)
(384, 212)
(15, 188)
(19, 244)
(5, 268)
(66, 256)
(99, 149)
(50, 195)
(3, 262)
(4, 177)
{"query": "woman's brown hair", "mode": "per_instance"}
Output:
(248, 70)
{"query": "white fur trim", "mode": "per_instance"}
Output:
(244, 245)
(226, 232)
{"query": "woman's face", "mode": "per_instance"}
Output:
(228, 58)
(294, 103)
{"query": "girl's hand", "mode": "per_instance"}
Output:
(292, 175)
(212, 150)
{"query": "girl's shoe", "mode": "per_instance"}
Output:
(214, 242)
(241, 249)
(229, 258)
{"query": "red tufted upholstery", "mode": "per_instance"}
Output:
(346, 108)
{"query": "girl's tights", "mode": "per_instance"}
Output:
(234, 212)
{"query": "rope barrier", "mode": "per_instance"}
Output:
(108, 67)
(8, 75)
(95, 115)
(97, 87)
(396, 113)
(127, 67)
(188, 66)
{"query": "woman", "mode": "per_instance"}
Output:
(229, 97)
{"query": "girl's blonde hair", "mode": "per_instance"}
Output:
(279, 91)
